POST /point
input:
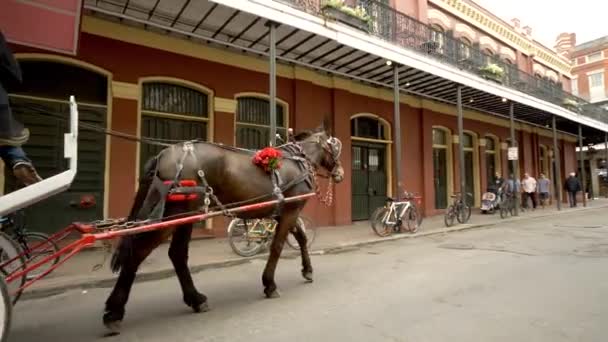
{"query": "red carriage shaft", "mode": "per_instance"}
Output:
(89, 236)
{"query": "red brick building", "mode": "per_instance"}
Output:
(161, 79)
(589, 66)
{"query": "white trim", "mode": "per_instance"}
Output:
(287, 15)
(597, 71)
(601, 52)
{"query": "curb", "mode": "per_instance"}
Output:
(340, 248)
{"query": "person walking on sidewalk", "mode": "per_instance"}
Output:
(543, 189)
(529, 190)
(573, 185)
(12, 133)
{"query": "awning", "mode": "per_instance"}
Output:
(304, 38)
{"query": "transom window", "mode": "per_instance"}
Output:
(253, 122)
(367, 127)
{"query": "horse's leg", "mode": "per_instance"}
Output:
(178, 253)
(286, 221)
(302, 239)
(141, 246)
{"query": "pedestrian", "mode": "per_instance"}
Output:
(12, 132)
(543, 188)
(572, 185)
(497, 182)
(529, 190)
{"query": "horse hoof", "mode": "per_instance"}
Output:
(112, 321)
(113, 328)
(272, 294)
(203, 307)
(307, 276)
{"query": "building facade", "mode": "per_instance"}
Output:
(151, 84)
(589, 66)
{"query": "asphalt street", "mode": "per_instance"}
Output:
(533, 280)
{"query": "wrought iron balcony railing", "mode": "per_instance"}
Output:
(398, 28)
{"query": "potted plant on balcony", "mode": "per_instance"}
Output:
(492, 72)
(355, 17)
(571, 105)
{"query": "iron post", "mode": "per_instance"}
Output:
(558, 167)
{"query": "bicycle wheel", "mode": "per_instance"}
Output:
(29, 240)
(246, 240)
(449, 217)
(6, 310)
(411, 219)
(9, 249)
(379, 216)
(309, 229)
(504, 211)
(464, 213)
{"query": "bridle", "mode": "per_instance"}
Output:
(333, 146)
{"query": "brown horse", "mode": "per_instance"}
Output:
(233, 178)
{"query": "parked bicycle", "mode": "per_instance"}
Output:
(250, 237)
(508, 206)
(391, 217)
(458, 210)
(34, 245)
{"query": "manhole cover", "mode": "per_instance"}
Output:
(456, 246)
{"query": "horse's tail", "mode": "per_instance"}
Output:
(124, 250)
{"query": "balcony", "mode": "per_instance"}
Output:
(386, 23)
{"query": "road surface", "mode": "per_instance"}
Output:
(532, 280)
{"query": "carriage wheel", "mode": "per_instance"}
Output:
(309, 229)
(9, 249)
(6, 309)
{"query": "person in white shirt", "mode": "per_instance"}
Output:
(528, 185)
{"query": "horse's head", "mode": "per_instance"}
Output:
(323, 150)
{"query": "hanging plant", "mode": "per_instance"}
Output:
(492, 71)
(356, 17)
(268, 159)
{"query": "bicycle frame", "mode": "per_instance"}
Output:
(393, 208)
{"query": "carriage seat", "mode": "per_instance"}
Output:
(188, 190)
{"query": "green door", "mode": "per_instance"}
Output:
(440, 177)
(368, 179)
(45, 149)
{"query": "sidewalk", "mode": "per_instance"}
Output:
(211, 253)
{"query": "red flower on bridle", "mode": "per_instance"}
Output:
(269, 159)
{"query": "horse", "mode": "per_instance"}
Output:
(230, 176)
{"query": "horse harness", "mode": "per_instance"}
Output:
(179, 189)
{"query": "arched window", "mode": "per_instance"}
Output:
(442, 166)
(173, 112)
(253, 122)
(370, 164)
(487, 56)
(492, 157)
(438, 36)
(465, 48)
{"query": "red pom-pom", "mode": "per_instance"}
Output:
(268, 159)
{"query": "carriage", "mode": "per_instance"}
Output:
(15, 267)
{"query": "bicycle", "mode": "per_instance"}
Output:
(257, 234)
(458, 210)
(389, 218)
(33, 245)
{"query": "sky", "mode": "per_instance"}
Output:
(548, 18)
